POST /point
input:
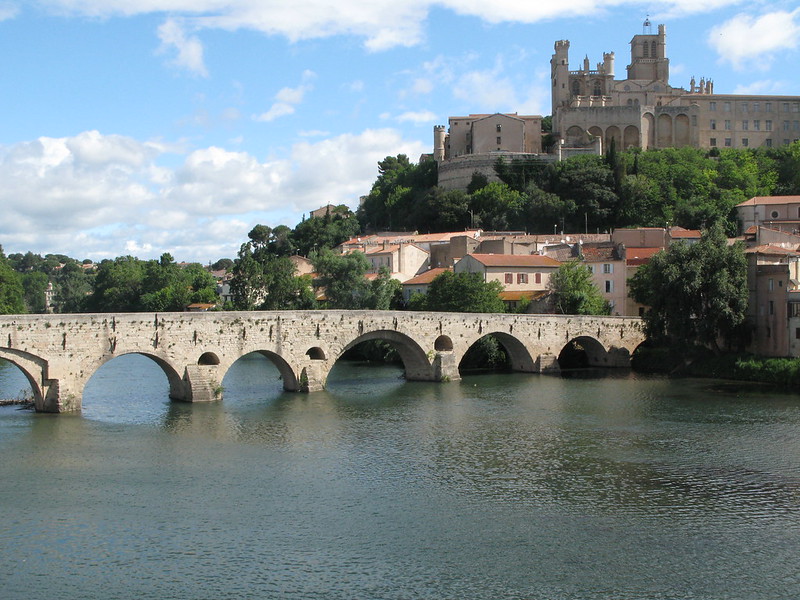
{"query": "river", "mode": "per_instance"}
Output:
(501, 486)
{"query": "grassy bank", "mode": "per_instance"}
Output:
(694, 362)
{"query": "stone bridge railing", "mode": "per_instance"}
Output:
(59, 353)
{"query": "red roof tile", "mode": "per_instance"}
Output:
(515, 260)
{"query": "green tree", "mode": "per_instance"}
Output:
(11, 292)
(342, 276)
(695, 294)
(463, 292)
(35, 286)
(497, 207)
(265, 281)
(574, 291)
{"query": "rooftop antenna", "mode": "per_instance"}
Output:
(647, 26)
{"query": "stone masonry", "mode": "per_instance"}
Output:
(59, 353)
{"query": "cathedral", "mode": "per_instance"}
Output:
(645, 111)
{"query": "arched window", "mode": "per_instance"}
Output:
(653, 52)
(576, 87)
(646, 50)
(598, 91)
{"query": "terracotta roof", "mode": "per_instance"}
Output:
(640, 256)
(597, 252)
(770, 249)
(515, 260)
(680, 232)
(427, 276)
(760, 200)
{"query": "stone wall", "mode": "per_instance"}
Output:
(59, 353)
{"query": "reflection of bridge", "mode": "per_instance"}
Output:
(59, 353)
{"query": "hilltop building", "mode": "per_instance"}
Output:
(645, 111)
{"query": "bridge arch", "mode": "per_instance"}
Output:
(177, 389)
(287, 373)
(519, 357)
(415, 360)
(34, 368)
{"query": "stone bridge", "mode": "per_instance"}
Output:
(59, 353)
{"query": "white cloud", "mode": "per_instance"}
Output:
(746, 40)
(382, 23)
(765, 86)
(8, 10)
(287, 99)
(97, 196)
(189, 49)
(417, 117)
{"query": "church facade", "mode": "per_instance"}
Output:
(645, 111)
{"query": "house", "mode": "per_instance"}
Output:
(635, 258)
(773, 279)
(516, 273)
(403, 261)
(420, 283)
(609, 272)
(774, 212)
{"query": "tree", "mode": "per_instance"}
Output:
(342, 276)
(463, 292)
(35, 286)
(696, 294)
(11, 292)
(574, 291)
(265, 281)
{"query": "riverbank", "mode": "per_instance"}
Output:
(784, 372)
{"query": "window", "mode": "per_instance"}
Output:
(772, 307)
(537, 277)
(712, 106)
(744, 125)
(797, 333)
(769, 332)
(769, 143)
(499, 128)
(713, 142)
(796, 125)
(755, 107)
(608, 268)
(786, 125)
(774, 214)
(785, 142)
(726, 107)
(509, 278)
(728, 142)
(768, 125)
(757, 125)
(498, 140)
(597, 90)
(768, 106)
(744, 107)
(522, 278)
(771, 285)
(694, 120)
(796, 107)
(713, 123)
(609, 286)
(745, 142)
(727, 124)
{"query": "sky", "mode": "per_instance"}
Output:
(137, 127)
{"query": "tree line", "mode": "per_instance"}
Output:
(689, 187)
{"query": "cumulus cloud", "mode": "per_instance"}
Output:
(189, 49)
(382, 23)
(287, 99)
(765, 35)
(97, 196)
(417, 117)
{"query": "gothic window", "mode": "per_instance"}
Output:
(576, 87)
(653, 52)
(646, 50)
(597, 88)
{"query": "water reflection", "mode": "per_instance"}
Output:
(497, 486)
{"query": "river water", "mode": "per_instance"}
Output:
(603, 485)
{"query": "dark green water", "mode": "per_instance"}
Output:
(500, 486)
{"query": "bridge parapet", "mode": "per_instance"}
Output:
(59, 353)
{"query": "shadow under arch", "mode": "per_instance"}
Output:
(415, 362)
(519, 359)
(33, 367)
(582, 352)
(174, 378)
(287, 374)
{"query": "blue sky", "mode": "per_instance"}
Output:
(148, 126)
